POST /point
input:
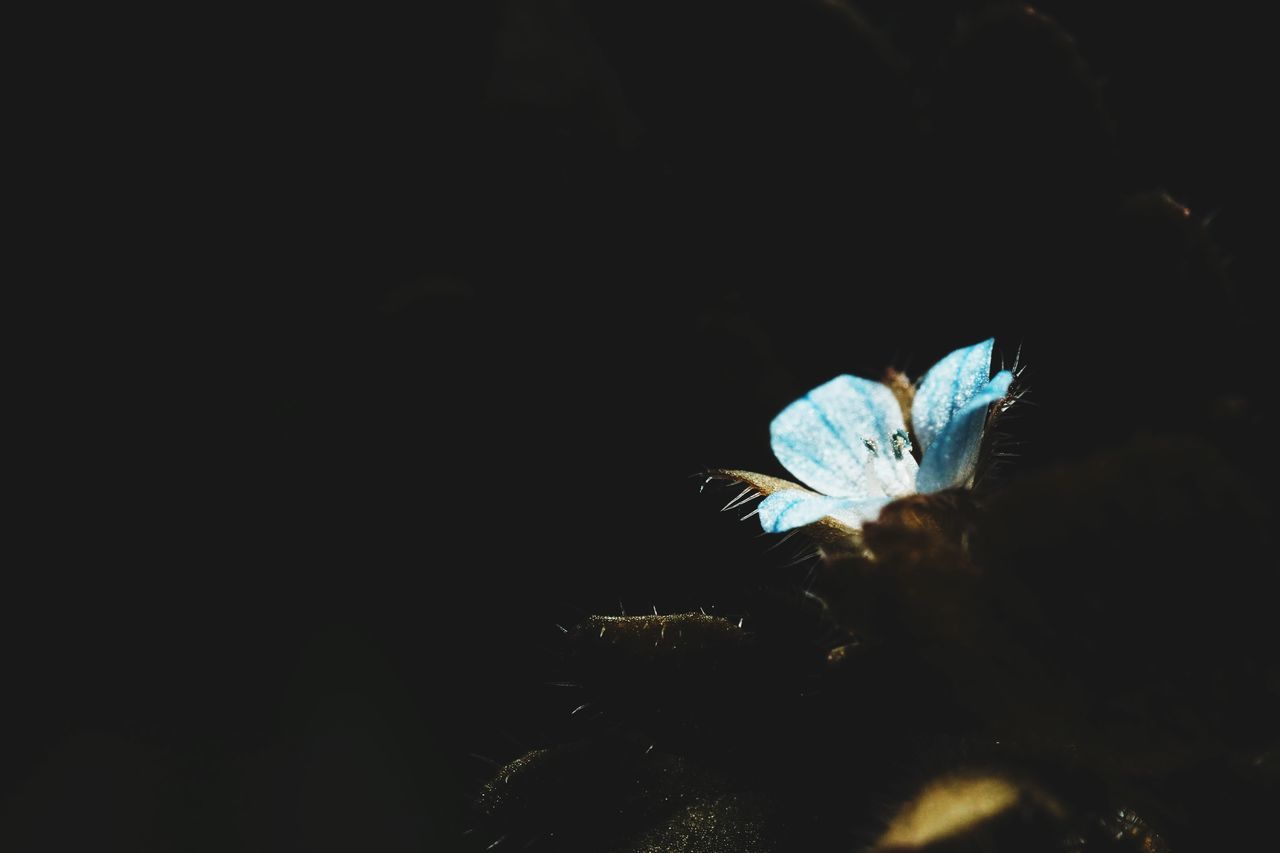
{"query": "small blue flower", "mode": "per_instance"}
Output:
(848, 441)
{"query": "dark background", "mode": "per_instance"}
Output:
(445, 311)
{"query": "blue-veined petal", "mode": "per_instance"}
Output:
(948, 388)
(791, 508)
(847, 439)
(952, 458)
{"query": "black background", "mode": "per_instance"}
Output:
(428, 333)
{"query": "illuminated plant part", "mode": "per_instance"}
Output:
(847, 440)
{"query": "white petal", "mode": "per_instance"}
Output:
(846, 438)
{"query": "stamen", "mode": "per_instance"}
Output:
(901, 442)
